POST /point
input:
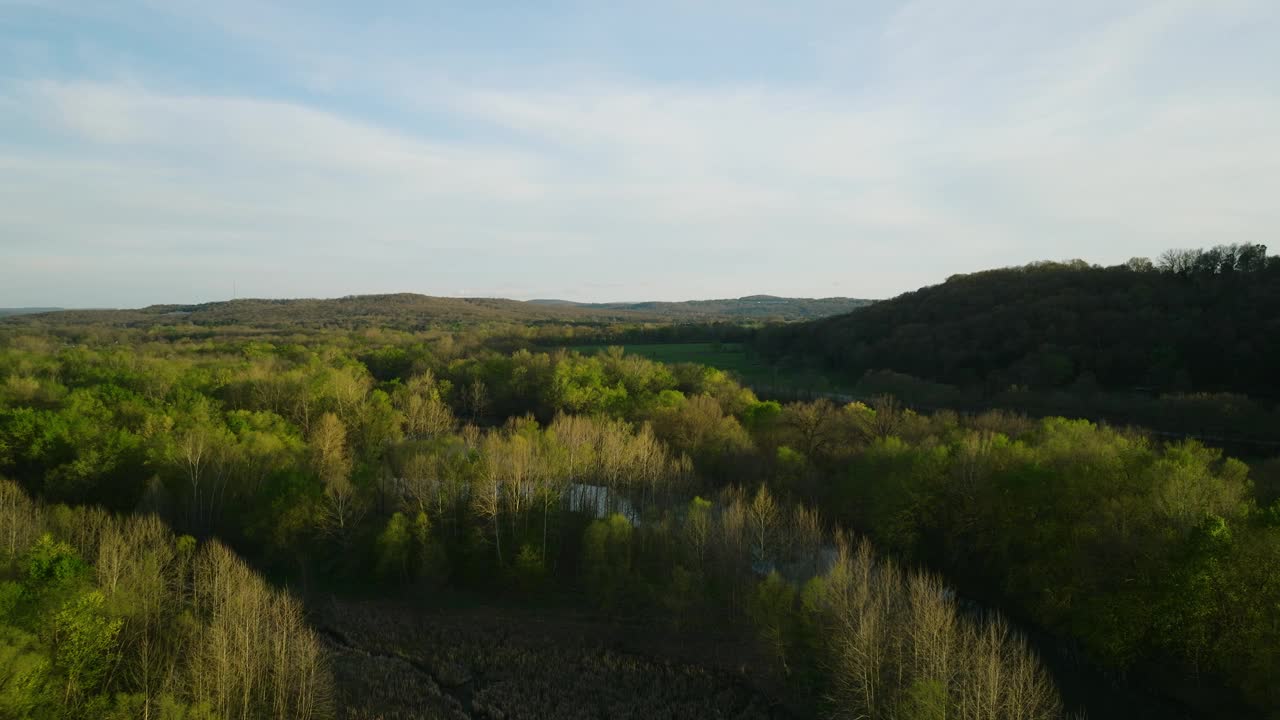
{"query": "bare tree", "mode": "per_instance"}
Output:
(253, 655)
(698, 526)
(486, 492)
(887, 417)
(577, 435)
(194, 448)
(763, 517)
(898, 648)
(425, 414)
(650, 464)
(348, 387)
(477, 399)
(1178, 261)
(550, 480)
(734, 546)
(814, 424)
(861, 630)
(147, 555)
(933, 631)
(1140, 264)
(20, 524)
(420, 481)
(804, 539)
(331, 462)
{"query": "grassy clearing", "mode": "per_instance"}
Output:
(734, 358)
(727, 356)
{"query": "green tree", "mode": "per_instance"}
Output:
(924, 700)
(26, 679)
(529, 572)
(84, 646)
(395, 549)
(772, 611)
(606, 560)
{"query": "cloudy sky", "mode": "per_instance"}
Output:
(177, 151)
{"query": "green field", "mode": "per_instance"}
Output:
(734, 358)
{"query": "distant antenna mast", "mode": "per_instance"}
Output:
(233, 290)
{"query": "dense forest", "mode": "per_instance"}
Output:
(1205, 321)
(438, 468)
(500, 421)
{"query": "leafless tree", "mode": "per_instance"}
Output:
(20, 524)
(331, 462)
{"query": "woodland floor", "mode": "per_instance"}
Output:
(394, 661)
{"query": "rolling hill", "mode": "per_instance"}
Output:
(409, 311)
(10, 312)
(1197, 324)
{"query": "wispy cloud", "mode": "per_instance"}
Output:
(1001, 133)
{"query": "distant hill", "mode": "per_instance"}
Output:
(1197, 321)
(408, 310)
(403, 310)
(9, 312)
(756, 307)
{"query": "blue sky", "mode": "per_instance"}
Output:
(169, 151)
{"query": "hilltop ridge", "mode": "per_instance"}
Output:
(760, 307)
(1195, 321)
(410, 310)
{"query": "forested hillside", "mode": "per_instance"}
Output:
(1195, 321)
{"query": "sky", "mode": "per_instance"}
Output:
(175, 151)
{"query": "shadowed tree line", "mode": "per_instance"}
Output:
(1193, 321)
